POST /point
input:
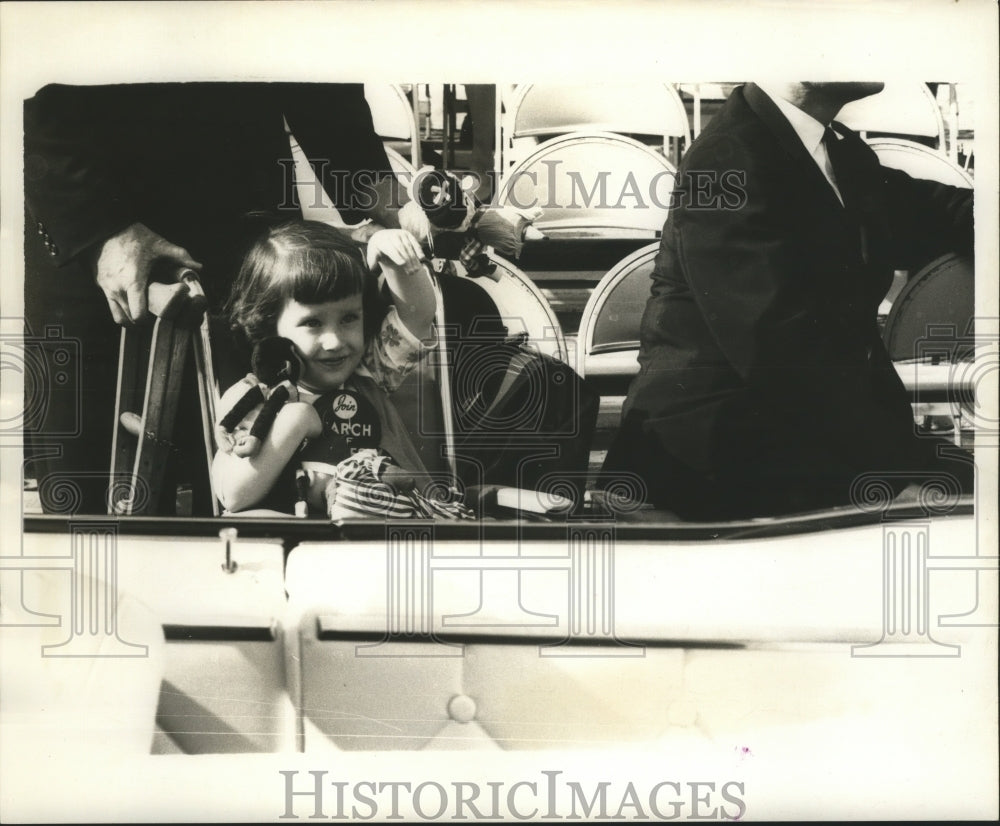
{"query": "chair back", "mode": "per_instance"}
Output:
(524, 309)
(919, 161)
(936, 307)
(392, 116)
(594, 184)
(650, 110)
(903, 109)
(608, 340)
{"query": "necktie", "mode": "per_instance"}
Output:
(844, 170)
(840, 162)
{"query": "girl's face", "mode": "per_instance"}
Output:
(329, 337)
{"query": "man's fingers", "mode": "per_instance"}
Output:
(223, 439)
(132, 422)
(531, 215)
(136, 301)
(116, 312)
(167, 250)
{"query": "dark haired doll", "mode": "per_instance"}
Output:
(276, 371)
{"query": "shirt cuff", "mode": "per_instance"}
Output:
(409, 340)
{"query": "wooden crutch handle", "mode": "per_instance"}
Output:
(183, 301)
(199, 301)
(166, 300)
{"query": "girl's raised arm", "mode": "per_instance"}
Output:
(401, 259)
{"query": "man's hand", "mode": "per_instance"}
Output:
(124, 266)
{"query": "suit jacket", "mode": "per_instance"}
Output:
(761, 361)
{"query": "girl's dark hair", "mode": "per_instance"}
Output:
(309, 262)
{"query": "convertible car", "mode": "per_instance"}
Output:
(595, 661)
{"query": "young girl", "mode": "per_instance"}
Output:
(307, 282)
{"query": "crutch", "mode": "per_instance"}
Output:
(139, 452)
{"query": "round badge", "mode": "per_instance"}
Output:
(350, 423)
(345, 406)
(348, 415)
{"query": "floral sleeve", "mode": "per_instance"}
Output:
(392, 353)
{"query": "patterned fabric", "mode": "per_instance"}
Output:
(393, 353)
(357, 489)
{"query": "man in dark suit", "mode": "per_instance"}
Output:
(127, 183)
(764, 387)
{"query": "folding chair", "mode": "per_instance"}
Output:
(593, 184)
(151, 364)
(930, 336)
(608, 340)
(524, 309)
(648, 110)
(900, 109)
(425, 398)
(393, 118)
(919, 161)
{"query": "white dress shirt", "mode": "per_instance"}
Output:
(810, 132)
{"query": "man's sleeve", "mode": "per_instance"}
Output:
(69, 181)
(928, 219)
(333, 124)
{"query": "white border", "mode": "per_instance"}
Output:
(468, 42)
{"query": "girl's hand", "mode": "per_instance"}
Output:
(408, 280)
(396, 250)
